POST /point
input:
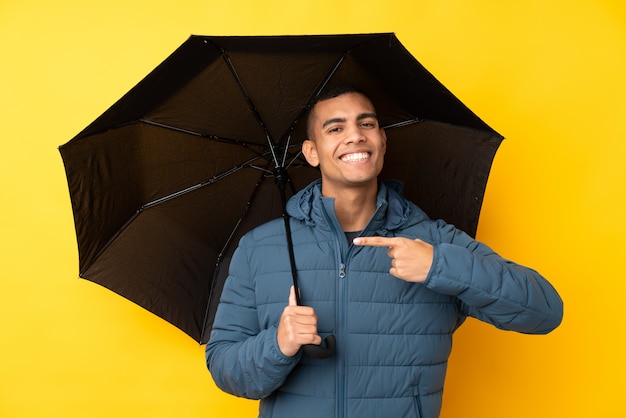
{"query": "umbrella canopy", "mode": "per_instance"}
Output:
(166, 181)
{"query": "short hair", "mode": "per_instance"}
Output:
(329, 92)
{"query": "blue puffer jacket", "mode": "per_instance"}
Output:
(393, 337)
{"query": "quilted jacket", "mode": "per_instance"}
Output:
(393, 337)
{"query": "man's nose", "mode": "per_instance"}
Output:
(354, 134)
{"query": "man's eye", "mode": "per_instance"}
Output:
(335, 129)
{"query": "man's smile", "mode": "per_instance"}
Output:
(355, 157)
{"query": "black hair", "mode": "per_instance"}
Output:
(330, 92)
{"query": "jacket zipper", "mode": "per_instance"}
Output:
(340, 312)
(341, 309)
(342, 301)
(341, 321)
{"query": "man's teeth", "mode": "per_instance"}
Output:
(358, 156)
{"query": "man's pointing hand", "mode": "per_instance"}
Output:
(410, 259)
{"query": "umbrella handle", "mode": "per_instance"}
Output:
(317, 351)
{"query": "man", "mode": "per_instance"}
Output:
(389, 283)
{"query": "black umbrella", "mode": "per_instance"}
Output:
(167, 180)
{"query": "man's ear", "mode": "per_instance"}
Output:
(310, 152)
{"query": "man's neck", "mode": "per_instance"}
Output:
(354, 207)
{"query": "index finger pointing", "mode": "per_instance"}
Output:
(375, 241)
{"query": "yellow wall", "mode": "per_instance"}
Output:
(549, 75)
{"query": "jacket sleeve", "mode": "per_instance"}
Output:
(490, 288)
(243, 359)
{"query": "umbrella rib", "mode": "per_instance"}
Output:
(225, 248)
(188, 189)
(403, 123)
(243, 215)
(295, 157)
(251, 105)
(286, 166)
(208, 182)
(201, 135)
(163, 199)
(317, 91)
(322, 85)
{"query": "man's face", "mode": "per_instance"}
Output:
(346, 142)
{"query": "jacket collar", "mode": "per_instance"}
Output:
(393, 211)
